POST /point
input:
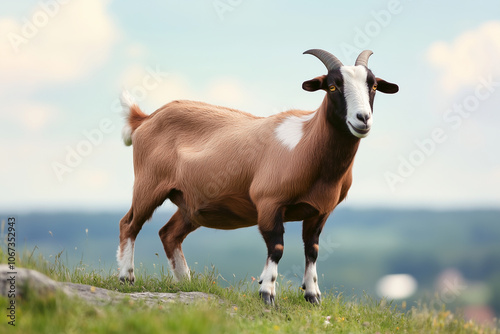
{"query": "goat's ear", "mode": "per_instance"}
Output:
(315, 84)
(386, 87)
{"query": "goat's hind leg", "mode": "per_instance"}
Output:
(143, 205)
(125, 252)
(172, 235)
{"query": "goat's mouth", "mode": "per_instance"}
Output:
(360, 133)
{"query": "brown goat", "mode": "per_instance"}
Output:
(227, 169)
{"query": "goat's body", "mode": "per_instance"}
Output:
(175, 151)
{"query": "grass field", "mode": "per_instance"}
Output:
(237, 308)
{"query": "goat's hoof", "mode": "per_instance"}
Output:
(129, 280)
(125, 280)
(267, 298)
(313, 299)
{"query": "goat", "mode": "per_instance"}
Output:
(227, 169)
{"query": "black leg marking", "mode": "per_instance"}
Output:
(311, 229)
(313, 299)
(274, 242)
(267, 298)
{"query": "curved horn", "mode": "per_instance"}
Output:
(331, 62)
(363, 58)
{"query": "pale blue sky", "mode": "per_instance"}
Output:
(62, 67)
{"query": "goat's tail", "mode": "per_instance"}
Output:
(133, 116)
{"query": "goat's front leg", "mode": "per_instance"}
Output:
(311, 230)
(272, 229)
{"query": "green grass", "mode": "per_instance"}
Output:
(237, 309)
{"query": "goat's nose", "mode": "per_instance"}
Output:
(363, 117)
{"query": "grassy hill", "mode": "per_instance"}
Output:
(357, 248)
(237, 310)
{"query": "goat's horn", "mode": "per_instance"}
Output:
(363, 58)
(331, 62)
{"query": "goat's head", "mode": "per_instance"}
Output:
(351, 90)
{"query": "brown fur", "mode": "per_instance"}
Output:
(136, 117)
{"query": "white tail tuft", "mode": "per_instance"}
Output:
(127, 101)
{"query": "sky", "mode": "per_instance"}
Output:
(63, 65)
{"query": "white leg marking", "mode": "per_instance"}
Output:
(268, 278)
(179, 266)
(290, 131)
(125, 260)
(310, 281)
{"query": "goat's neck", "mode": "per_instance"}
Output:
(338, 148)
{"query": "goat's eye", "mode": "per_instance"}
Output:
(374, 87)
(332, 88)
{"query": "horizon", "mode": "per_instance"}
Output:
(171, 208)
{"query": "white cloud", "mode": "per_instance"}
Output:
(35, 117)
(157, 89)
(93, 179)
(227, 92)
(153, 87)
(471, 56)
(28, 117)
(55, 44)
(136, 50)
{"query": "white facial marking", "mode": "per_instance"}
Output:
(311, 280)
(268, 277)
(179, 266)
(125, 260)
(290, 131)
(357, 99)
